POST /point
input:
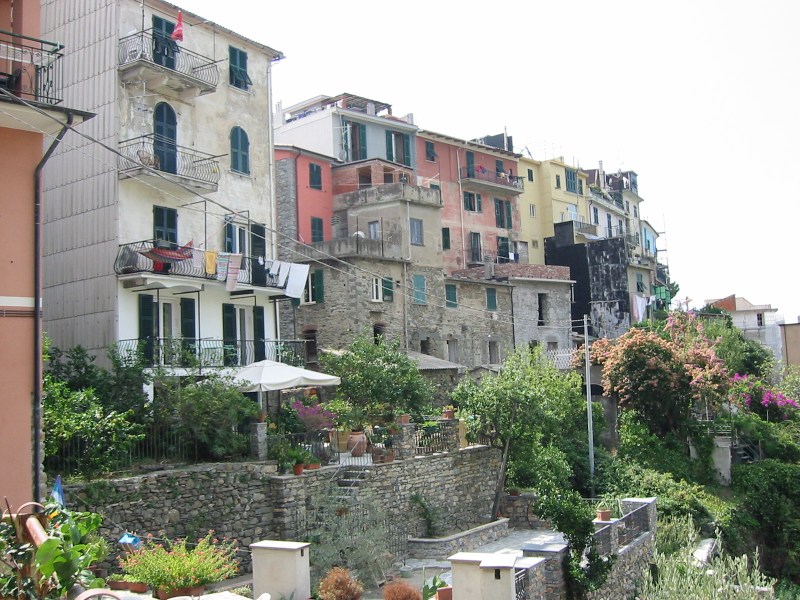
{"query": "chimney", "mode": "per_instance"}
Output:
(409, 118)
(601, 176)
(280, 117)
(488, 268)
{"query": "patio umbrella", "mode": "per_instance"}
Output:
(268, 375)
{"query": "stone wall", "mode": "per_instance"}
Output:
(250, 502)
(436, 548)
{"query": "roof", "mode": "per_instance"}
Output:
(466, 143)
(426, 362)
(735, 303)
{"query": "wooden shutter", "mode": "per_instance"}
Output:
(259, 333)
(389, 150)
(319, 286)
(229, 334)
(445, 238)
(258, 249)
(188, 327)
(406, 149)
(230, 233)
(362, 141)
(508, 214)
(388, 289)
(147, 326)
(498, 213)
(478, 205)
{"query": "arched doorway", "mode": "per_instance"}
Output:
(165, 127)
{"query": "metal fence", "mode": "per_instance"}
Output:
(31, 68)
(522, 584)
(163, 154)
(429, 439)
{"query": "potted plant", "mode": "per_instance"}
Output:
(173, 568)
(297, 456)
(449, 412)
(603, 511)
(312, 462)
(338, 584)
(116, 582)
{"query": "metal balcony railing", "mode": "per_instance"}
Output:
(165, 155)
(489, 176)
(193, 352)
(165, 258)
(30, 68)
(161, 50)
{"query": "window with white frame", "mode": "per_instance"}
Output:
(416, 232)
(532, 210)
(382, 289)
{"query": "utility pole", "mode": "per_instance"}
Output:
(588, 381)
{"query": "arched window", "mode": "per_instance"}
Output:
(165, 128)
(240, 151)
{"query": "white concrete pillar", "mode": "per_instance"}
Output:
(281, 569)
(477, 576)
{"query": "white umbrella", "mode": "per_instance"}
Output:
(268, 375)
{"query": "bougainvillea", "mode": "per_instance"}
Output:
(757, 397)
(314, 417)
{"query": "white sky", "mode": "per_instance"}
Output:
(699, 98)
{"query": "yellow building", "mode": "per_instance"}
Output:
(554, 192)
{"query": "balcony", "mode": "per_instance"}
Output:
(166, 67)
(486, 180)
(353, 246)
(178, 165)
(198, 353)
(389, 192)
(173, 261)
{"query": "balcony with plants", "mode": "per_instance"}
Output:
(166, 67)
(482, 179)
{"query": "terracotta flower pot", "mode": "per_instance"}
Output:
(444, 593)
(404, 419)
(116, 584)
(448, 414)
(312, 466)
(357, 443)
(183, 591)
(603, 514)
(137, 587)
(297, 469)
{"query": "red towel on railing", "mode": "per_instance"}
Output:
(167, 255)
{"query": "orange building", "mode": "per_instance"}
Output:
(32, 123)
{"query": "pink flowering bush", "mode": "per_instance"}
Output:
(314, 417)
(753, 394)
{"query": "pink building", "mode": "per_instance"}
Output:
(479, 187)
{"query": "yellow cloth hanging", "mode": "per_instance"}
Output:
(211, 262)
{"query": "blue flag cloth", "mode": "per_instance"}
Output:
(130, 542)
(57, 495)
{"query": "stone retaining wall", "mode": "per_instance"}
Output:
(460, 542)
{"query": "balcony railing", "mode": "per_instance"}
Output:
(30, 68)
(192, 352)
(160, 50)
(486, 175)
(165, 155)
(164, 258)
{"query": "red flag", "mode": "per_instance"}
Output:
(177, 33)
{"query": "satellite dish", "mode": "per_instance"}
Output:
(359, 234)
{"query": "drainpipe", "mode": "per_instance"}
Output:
(37, 308)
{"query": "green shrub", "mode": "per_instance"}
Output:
(674, 534)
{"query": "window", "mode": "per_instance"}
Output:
(382, 289)
(164, 47)
(608, 225)
(445, 238)
(317, 231)
(430, 153)
(636, 212)
(475, 247)
(415, 226)
(760, 319)
(639, 282)
(552, 346)
(558, 182)
(534, 243)
(398, 147)
(374, 229)
(450, 294)
(452, 350)
(502, 249)
(491, 299)
(494, 353)
(237, 69)
(165, 224)
(436, 186)
(498, 167)
(580, 187)
(357, 145)
(240, 151)
(502, 213)
(472, 202)
(419, 294)
(314, 292)
(620, 230)
(235, 237)
(627, 207)
(530, 174)
(532, 210)
(521, 251)
(572, 180)
(542, 300)
(314, 176)
(470, 157)
(595, 215)
(378, 332)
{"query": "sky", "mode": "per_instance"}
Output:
(699, 98)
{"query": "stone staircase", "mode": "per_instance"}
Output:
(349, 479)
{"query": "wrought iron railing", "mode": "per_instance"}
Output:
(186, 261)
(163, 154)
(522, 584)
(429, 439)
(30, 68)
(161, 50)
(191, 352)
(489, 176)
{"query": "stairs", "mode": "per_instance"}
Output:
(348, 480)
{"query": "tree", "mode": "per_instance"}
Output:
(528, 404)
(377, 379)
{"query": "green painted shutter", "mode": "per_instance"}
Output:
(147, 326)
(229, 236)
(188, 327)
(362, 141)
(491, 299)
(389, 152)
(498, 213)
(478, 205)
(319, 286)
(317, 234)
(229, 334)
(258, 248)
(406, 149)
(259, 333)
(470, 164)
(466, 200)
(295, 302)
(388, 289)
(445, 238)
(508, 214)
(451, 297)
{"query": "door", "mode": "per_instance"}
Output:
(164, 47)
(470, 164)
(165, 128)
